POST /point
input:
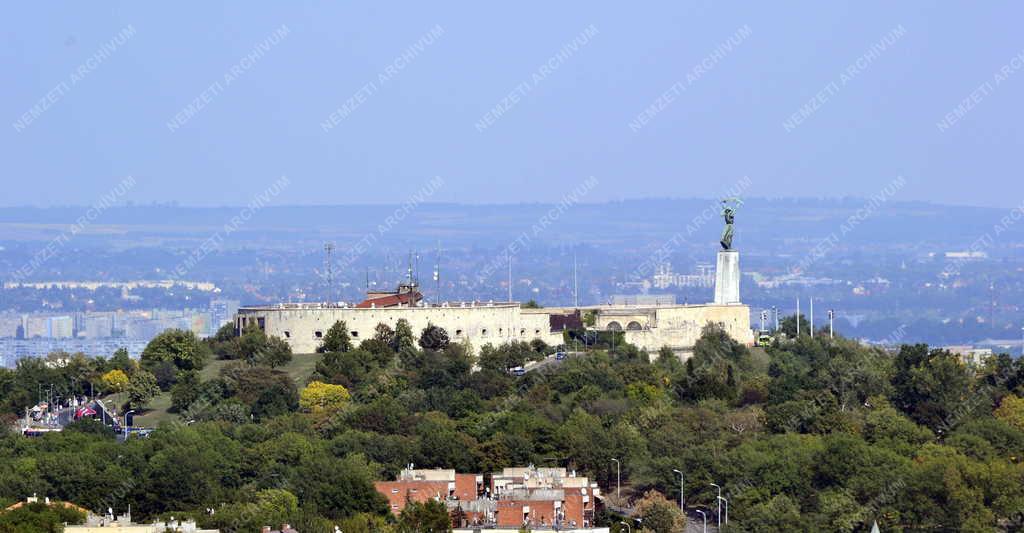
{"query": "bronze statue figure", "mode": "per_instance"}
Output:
(729, 206)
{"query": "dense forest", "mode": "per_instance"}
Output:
(808, 434)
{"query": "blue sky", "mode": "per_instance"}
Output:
(98, 120)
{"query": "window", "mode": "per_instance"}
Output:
(318, 334)
(261, 323)
(522, 332)
(536, 332)
(355, 334)
(287, 334)
(483, 332)
(394, 491)
(458, 333)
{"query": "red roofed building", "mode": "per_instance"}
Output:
(405, 296)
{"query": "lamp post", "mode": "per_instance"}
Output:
(705, 517)
(719, 498)
(126, 423)
(831, 317)
(628, 529)
(798, 317)
(726, 500)
(618, 478)
(681, 499)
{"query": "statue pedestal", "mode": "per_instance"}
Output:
(727, 278)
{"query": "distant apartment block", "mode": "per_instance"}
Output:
(664, 277)
(60, 327)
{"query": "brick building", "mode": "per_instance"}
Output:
(538, 497)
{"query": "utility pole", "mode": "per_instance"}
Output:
(776, 310)
(329, 250)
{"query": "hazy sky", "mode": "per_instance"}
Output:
(211, 105)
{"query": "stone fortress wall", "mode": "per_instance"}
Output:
(647, 327)
(302, 325)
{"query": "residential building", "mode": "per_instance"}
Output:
(512, 498)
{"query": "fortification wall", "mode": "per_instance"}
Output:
(478, 325)
(679, 327)
(651, 328)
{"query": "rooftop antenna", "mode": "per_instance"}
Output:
(410, 268)
(575, 287)
(437, 276)
(329, 249)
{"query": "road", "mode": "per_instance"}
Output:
(548, 361)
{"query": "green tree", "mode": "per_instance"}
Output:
(433, 338)
(428, 517)
(185, 392)
(176, 346)
(660, 515)
(336, 339)
(39, 518)
(384, 334)
(931, 386)
(1011, 411)
(403, 339)
(788, 325)
(142, 388)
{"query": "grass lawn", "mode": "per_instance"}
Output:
(299, 369)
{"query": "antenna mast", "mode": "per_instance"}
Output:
(329, 249)
(575, 287)
(509, 276)
(437, 276)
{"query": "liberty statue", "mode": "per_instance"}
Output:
(729, 207)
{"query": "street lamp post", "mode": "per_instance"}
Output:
(126, 423)
(831, 329)
(628, 529)
(726, 500)
(719, 499)
(705, 517)
(618, 479)
(681, 486)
